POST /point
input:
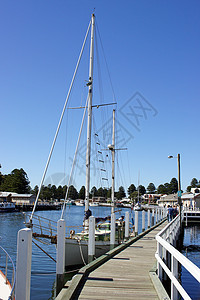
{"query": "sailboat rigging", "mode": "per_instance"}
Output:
(76, 245)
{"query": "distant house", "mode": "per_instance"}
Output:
(23, 198)
(99, 199)
(17, 198)
(188, 200)
(6, 196)
(151, 197)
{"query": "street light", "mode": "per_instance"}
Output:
(179, 183)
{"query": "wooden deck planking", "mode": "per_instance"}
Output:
(125, 276)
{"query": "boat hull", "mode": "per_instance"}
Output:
(76, 251)
(5, 288)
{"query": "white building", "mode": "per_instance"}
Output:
(188, 200)
(17, 198)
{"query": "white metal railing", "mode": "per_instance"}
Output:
(7, 259)
(168, 258)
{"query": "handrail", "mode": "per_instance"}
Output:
(13, 273)
(165, 241)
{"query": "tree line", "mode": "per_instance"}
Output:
(17, 181)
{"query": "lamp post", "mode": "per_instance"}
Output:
(179, 184)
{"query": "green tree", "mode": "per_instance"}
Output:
(131, 189)
(81, 194)
(109, 193)
(142, 189)
(94, 191)
(35, 190)
(121, 193)
(189, 188)
(134, 196)
(17, 182)
(72, 193)
(173, 186)
(168, 188)
(61, 192)
(161, 189)
(53, 192)
(194, 183)
(151, 188)
(100, 192)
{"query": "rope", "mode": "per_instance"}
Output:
(81, 253)
(44, 251)
(59, 124)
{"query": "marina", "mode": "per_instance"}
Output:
(85, 231)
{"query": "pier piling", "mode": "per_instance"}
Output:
(23, 266)
(60, 255)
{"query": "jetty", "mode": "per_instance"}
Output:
(126, 272)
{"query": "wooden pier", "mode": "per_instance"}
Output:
(125, 275)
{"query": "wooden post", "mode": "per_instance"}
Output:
(143, 220)
(126, 225)
(91, 242)
(23, 266)
(112, 232)
(136, 223)
(60, 255)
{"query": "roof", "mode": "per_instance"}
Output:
(22, 195)
(6, 194)
(185, 196)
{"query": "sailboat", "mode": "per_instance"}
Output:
(76, 245)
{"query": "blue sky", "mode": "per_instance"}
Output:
(152, 50)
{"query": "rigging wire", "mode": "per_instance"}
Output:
(75, 155)
(59, 124)
(105, 62)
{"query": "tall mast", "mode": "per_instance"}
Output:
(113, 165)
(90, 91)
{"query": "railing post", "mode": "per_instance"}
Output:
(174, 292)
(152, 218)
(91, 242)
(156, 215)
(23, 265)
(186, 218)
(112, 232)
(60, 255)
(143, 220)
(126, 225)
(164, 258)
(160, 270)
(136, 223)
(148, 218)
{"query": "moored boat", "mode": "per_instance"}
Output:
(7, 207)
(6, 289)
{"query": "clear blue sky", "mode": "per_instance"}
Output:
(152, 48)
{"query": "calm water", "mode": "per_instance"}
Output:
(43, 268)
(191, 250)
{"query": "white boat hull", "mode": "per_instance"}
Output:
(76, 252)
(5, 289)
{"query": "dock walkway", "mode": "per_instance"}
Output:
(126, 275)
(122, 273)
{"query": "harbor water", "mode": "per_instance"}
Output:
(191, 249)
